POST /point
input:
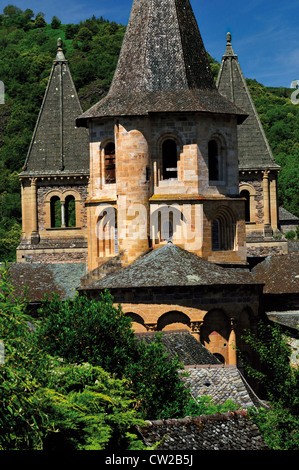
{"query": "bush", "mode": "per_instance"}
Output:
(83, 330)
(47, 404)
(291, 235)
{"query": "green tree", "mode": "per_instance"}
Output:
(280, 423)
(83, 330)
(11, 10)
(275, 372)
(40, 21)
(47, 404)
(55, 23)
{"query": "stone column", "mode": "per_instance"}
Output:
(273, 203)
(195, 329)
(151, 326)
(62, 213)
(267, 219)
(232, 352)
(34, 232)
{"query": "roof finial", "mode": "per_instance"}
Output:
(229, 48)
(60, 54)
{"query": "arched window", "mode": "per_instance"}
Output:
(55, 209)
(107, 239)
(217, 160)
(70, 211)
(169, 159)
(215, 235)
(214, 163)
(244, 193)
(223, 231)
(167, 229)
(109, 153)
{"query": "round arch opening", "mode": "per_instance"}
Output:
(173, 320)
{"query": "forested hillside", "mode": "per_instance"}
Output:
(27, 50)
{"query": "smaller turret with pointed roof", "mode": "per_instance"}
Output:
(54, 180)
(57, 144)
(254, 149)
(258, 170)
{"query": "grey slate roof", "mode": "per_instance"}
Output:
(57, 145)
(183, 345)
(254, 149)
(171, 265)
(228, 431)
(42, 278)
(287, 216)
(280, 273)
(222, 383)
(290, 319)
(162, 67)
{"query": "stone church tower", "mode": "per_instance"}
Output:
(258, 170)
(163, 147)
(55, 177)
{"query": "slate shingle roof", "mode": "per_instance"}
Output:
(57, 145)
(253, 147)
(285, 215)
(279, 273)
(46, 278)
(229, 431)
(171, 265)
(162, 67)
(183, 345)
(222, 383)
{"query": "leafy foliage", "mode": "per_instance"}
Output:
(83, 330)
(204, 405)
(280, 379)
(46, 403)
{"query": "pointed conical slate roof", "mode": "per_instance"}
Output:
(253, 147)
(162, 67)
(57, 145)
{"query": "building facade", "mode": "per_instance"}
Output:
(54, 181)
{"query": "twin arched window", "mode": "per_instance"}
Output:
(63, 212)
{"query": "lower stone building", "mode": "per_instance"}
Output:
(170, 288)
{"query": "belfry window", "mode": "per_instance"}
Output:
(214, 161)
(70, 211)
(246, 195)
(169, 159)
(55, 208)
(223, 231)
(63, 212)
(109, 153)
